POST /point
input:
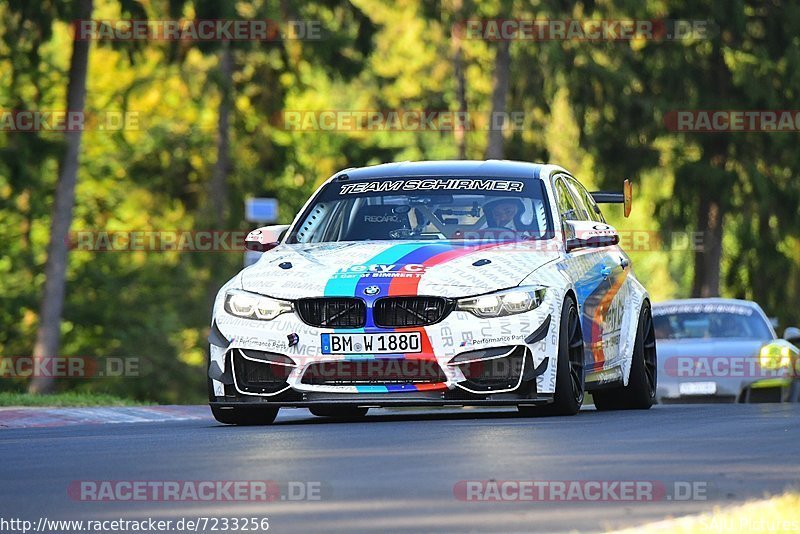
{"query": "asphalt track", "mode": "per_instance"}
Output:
(396, 470)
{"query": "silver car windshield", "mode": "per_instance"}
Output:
(710, 322)
(426, 208)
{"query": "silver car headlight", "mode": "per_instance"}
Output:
(254, 306)
(509, 302)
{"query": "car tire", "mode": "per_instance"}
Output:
(794, 391)
(640, 393)
(568, 397)
(339, 412)
(250, 416)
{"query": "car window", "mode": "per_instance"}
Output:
(709, 321)
(586, 201)
(421, 208)
(566, 202)
(583, 210)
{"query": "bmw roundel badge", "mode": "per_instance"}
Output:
(372, 290)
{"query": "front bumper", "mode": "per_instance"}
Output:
(775, 389)
(502, 361)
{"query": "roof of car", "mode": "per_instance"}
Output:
(706, 300)
(493, 168)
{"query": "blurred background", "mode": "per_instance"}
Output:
(204, 128)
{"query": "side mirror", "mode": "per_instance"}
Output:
(265, 238)
(585, 234)
(792, 335)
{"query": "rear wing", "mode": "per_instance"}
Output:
(610, 197)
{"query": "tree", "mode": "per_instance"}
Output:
(457, 42)
(218, 186)
(48, 338)
(495, 148)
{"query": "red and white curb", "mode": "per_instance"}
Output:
(54, 417)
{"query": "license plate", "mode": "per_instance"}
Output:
(697, 388)
(371, 343)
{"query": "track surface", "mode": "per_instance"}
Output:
(396, 470)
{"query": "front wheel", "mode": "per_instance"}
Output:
(569, 367)
(243, 416)
(640, 393)
(250, 416)
(793, 395)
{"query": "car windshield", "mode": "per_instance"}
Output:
(415, 208)
(699, 321)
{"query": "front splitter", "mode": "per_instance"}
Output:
(388, 403)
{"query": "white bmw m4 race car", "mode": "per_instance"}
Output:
(448, 283)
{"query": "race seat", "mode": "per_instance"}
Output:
(376, 222)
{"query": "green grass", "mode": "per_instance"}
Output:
(778, 514)
(68, 399)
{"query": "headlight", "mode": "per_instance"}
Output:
(504, 302)
(775, 356)
(252, 306)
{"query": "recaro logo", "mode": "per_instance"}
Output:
(381, 218)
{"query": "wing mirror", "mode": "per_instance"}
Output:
(265, 238)
(792, 335)
(586, 234)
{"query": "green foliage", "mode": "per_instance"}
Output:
(70, 399)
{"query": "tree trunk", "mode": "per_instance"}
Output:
(459, 130)
(764, 246)
(218, 188)
(707, 262)
(48, 337)
(495, 148)
(714, 194)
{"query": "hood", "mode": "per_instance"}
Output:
(441, 268)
